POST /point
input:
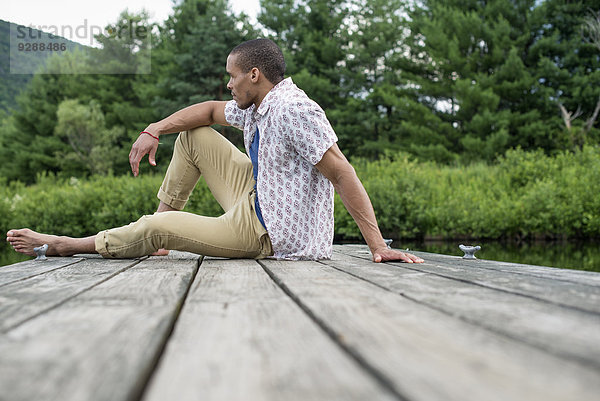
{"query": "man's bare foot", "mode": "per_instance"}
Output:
(161, 252)
(24, 240)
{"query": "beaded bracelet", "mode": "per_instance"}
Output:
(146, 132)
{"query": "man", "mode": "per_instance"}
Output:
(278, 202)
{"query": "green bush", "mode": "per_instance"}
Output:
(78, 207)
(524, 194)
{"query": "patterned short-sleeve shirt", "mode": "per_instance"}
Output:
(296, 200)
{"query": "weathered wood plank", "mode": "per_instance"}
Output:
(534, 322)
(100, 345)
(425, 353)
(561, 292)
(21, 300)
(29, 268)
(239, 337)
(575, 276)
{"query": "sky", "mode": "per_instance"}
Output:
(74, 14)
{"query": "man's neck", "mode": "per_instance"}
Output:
(267, 88)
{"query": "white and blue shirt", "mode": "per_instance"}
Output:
(295, 199)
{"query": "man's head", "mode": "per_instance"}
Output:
(254, 68)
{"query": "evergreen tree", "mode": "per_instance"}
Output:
(567, 69)
(191, 54)
(338, 52)
(465, 62)
(313, 37)
(370, 123)
(29, 133)
(92, 145)
(491, 75)
(591, 28)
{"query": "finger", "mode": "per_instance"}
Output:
(151, 156)
(415, 258)
(131, 157)
(136, 155)
(134, 161)
(403, 257)
(135, 167)
(393, 255)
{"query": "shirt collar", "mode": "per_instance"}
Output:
(267, 100)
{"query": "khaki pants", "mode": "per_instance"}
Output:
(228, 172)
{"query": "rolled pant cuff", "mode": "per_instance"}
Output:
(167, 199)
(100, 243)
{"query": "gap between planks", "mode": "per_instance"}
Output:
(431, 344)
(277, 351)
(356, 356)
(521, 328)
(36, 303)
(108, 323)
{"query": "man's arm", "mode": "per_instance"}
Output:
(197, 115)
(338, 170)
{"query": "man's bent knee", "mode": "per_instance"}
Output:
(153, 224)
(196, 134)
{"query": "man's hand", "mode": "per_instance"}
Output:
(388, 254)
(144, 145)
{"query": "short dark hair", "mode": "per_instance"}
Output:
(263, 54)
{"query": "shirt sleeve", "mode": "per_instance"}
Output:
(234, 115)
(310, 132)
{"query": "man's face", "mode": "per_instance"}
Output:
(240, 84)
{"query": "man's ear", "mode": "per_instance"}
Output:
(254, 74)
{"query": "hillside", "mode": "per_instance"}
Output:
(12, 83)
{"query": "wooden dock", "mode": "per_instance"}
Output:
(186, 328)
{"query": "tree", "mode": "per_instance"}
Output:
(191, 53)
(567, 70)
(579, 134)
(591, 28)
(29, 134)
(312, 35)
(339, 52)
(92, 145)
(372, 120)
(465, 61)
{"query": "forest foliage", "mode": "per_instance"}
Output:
(446, 81)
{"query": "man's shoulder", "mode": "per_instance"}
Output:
(293, 98)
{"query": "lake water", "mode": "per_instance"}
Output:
(569, 255)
